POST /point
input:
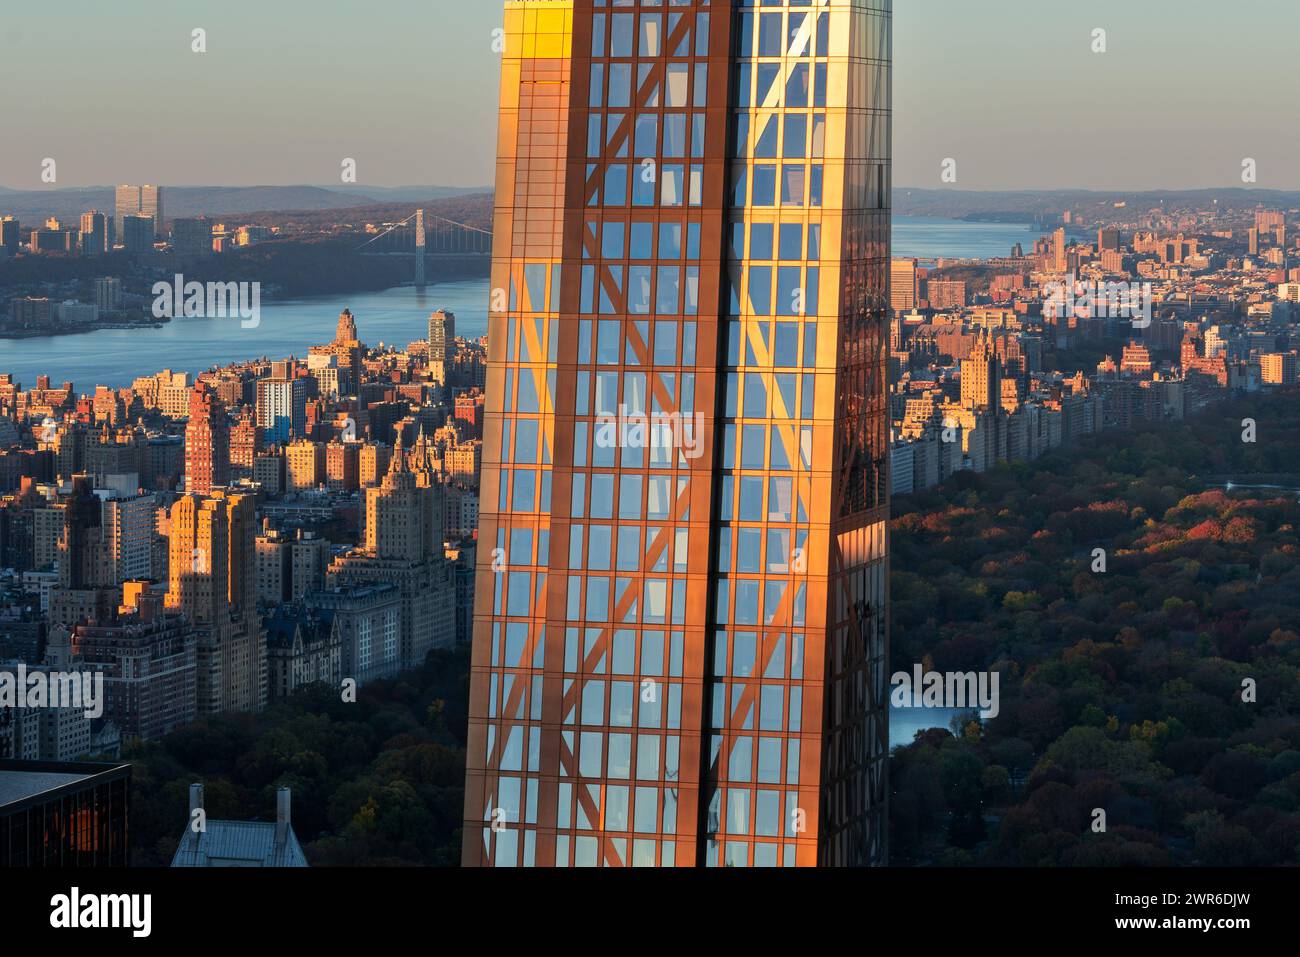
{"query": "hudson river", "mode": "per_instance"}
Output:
(114, 357)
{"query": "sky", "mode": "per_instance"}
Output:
(288, 89)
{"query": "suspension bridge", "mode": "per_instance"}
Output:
(422, 237)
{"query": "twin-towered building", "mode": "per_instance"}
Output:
(135, 206)
(404, 546)
(680, 650)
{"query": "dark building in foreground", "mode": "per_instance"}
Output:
(63, 814)
(207, 843)
(680, 648)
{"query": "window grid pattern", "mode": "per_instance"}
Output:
(634, 481)
(680, 652)
(502, 793)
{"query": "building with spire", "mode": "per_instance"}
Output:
(85, 560)
(346, 331)
(404, 514)
(403, 544)
(981, 387)
(348, 350)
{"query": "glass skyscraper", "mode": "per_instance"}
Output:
(138, 201)
(680, 651)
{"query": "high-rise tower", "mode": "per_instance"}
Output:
(138, 201)
(346, 331)
(442, 336)
(94, 233)
(212, 579)
(348, 350)
(981, 387)
(403, 544)
(281, 407)
(403, 519)
(207, 442)
(680, 652)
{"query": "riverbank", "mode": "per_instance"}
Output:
(80, 330)
(116, 357)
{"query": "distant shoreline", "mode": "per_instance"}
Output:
(96, 327)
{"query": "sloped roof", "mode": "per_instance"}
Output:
(238, 844)
(280, 630)
(283, 623)
(17, 785)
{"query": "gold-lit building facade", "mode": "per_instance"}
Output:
(680, 652)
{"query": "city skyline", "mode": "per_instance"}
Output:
(697, 500)
(1058, 105)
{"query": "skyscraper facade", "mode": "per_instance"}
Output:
(151, 204)
(9, 233)
(442, 336)
(212, 580)
(347, 350)
(207, 442)
(902, 285)
(94, 233)
(403, 521)
(981, 387)
(108, 294)
(126, 202)
(130, 525)
(138, 201)
(135, 233)
(403, 545)
(1060, 251)
(281, 408)
(192, 236)
(680, 652)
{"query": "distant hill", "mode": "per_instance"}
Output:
(222, 201)
(35, 206)
(216, 201)
(386, 194)
(1024, 205)
(473, 209)
(372, 202)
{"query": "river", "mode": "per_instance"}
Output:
(904, 723)
(114, 357)
(928, 238)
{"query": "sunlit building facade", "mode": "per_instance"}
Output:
(680, 652)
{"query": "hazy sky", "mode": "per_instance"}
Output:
(288, 88)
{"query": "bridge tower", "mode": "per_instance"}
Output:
(419, 249)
